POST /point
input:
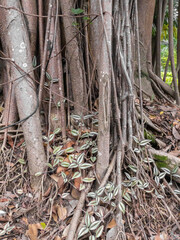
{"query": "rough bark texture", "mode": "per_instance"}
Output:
(145, 18)
(31, 22)
(104, 77)
(58, 117)
(171, 52)
(18, 48)
(178, 47)
(73, 57)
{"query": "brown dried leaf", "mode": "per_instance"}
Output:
(175, 133)
(111, 224)
(57, 238)
(65, 232)
(32, 232)
(75, 193)
(48, 191)
(55, 217)
(78, 182)
(54, 177)
(62, 212)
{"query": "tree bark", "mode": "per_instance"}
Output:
(76, 68)
(18, 47)
(178, 48)
(171, 52)
(104, 76)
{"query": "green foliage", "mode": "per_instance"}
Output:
(77, 11)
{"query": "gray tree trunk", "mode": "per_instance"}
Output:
(17, 43)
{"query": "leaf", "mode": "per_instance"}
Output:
(111, 224)
(88, 180)
(43, 225)
(76, 117)
(94, 225)
(144, 142)
(51, 136)
(84, 230)
(82, 187)
(91, 134)
(162, 175)
(177, 191)
(100, 191)
(48, 76)
(92, 237)
(77, 11)
(176, 134)
(57, 149)
(34, 62)
(32, 231)
(80, 158)
(69, 150)
(73, 165)
(49, 165)
(85, 165)
(87, 220)
(56, 162)
(94, 150)
(148, 160)
(91, 194)
(38, 174)
(157, 180)
(76, 175)
(93, 203)
(93, 159)
(62, 212)
(74, 132)
(127, 197)
(65, 164)
(122, 207)
(85, 135)
(133, 168)
(22, 161)
(166, 170)
(85, 146)
(99, 231)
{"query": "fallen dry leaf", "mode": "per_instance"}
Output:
(75, 193)
(48, 191)
(78, 182)
(175, 133)
(111, 224)
(65, 232)
(62, 212)
(57, 238)
(54, 177)
(32, 232)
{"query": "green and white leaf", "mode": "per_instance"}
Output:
(65, 164)
(84, 230)
(76, 175)
(88, 180)
(122, 207)
(94, 225)
(85, 165)
(75, 132)
(70, 150)
(99, 231)
(80, 158)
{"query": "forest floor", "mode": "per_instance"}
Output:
(23, 216)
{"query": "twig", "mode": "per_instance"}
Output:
(77, 213)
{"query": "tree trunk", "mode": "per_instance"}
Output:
(17, 44)
(178, 48)
(73, 56)
(104, 76)
(171, 52)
